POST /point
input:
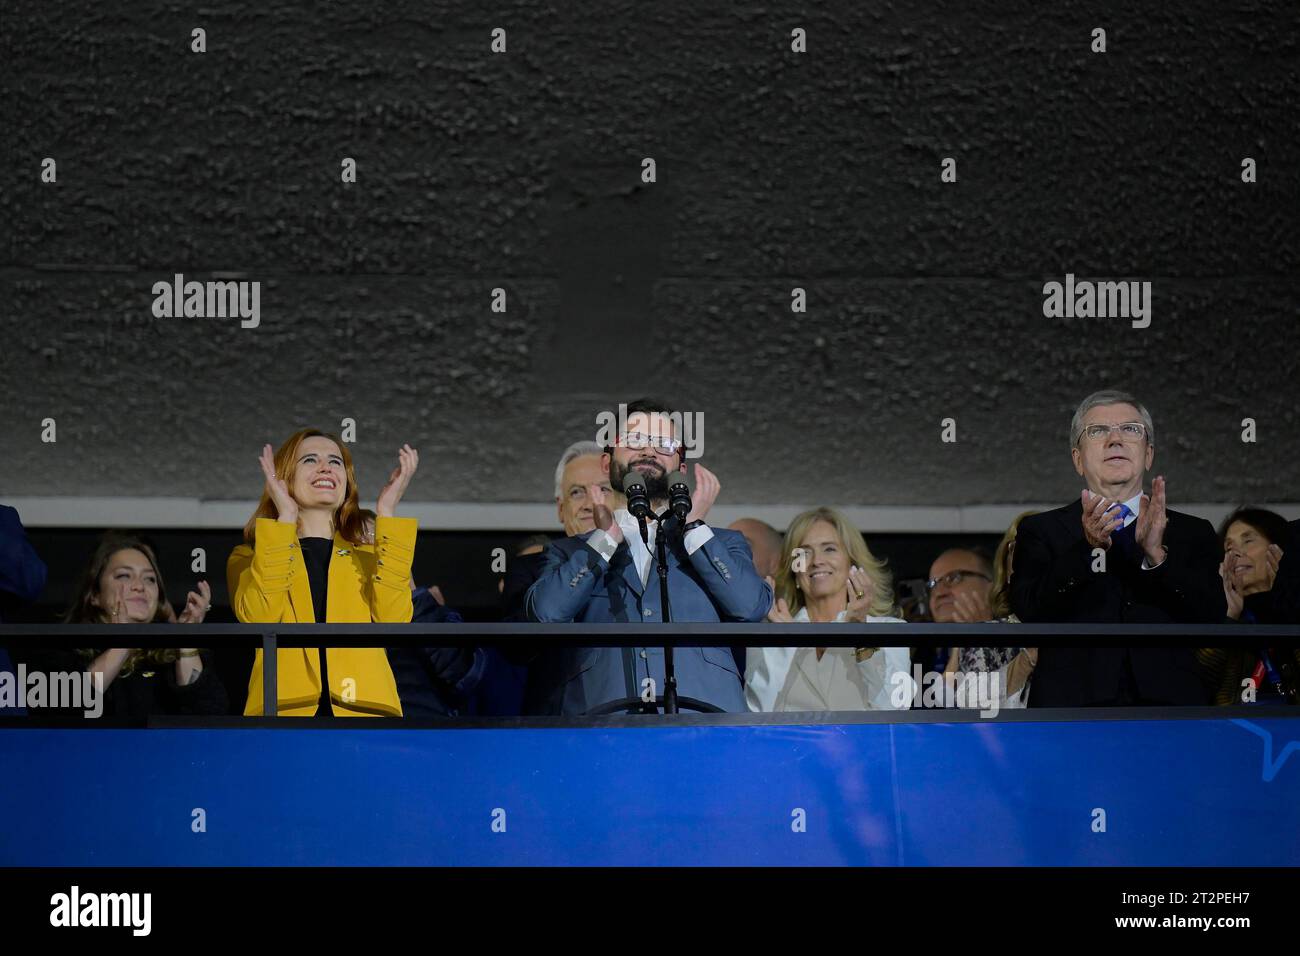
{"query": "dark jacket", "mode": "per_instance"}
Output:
(434, 681)
(22, 578)
(149, 690)
(1053, 581)
(522, 571)
(1228, 668)
(537, 662)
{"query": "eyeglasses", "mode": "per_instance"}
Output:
(954, 578)
(1128, 431)
(636, 441)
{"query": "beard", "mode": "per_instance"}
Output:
(656, 477)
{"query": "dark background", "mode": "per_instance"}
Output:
(522, 170)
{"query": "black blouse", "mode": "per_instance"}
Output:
(316, 554)
(149, 690)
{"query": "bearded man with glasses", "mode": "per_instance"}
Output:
(610, 575)
(1116, 555)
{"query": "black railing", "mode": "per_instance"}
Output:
(272, 636)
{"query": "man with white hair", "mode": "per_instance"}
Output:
(578, 469)
(1116, 554)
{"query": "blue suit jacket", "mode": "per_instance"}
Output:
(716, 583)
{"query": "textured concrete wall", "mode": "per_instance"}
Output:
(774, 170)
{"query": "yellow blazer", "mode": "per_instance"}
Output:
(367, 583)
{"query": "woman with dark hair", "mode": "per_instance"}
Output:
(122, 585)
(1253, 540)
(310, 558)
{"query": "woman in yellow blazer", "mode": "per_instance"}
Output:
(308, 551)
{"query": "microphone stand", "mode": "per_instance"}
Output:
(671, 701)
(661, 558)
(628, 662)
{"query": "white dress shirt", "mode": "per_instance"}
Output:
(793, 679)
(642, 556)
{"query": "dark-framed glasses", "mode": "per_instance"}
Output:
(661, 443)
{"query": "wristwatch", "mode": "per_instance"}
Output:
(697, 523)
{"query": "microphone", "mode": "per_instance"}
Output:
(638, 495)
(680, 487)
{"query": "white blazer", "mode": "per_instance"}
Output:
(792, 679)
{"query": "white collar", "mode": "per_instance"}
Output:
(630, 525)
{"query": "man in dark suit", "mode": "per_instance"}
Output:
(1116, 555)
(610, 575)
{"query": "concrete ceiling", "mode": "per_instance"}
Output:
(775, 170)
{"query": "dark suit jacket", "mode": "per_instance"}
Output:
(435, 681)
(715, 583)
(22, 578)
(1053, 580)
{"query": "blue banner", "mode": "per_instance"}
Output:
(1183, 792)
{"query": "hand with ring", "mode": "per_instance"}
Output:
(859, 593)
(197, 605)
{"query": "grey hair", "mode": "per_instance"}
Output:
(577, 450)
(1109, 396)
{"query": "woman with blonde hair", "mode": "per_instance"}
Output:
(309, 558)
(828, 575)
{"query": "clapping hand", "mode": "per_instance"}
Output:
(408, 459)
(602, 515)
(197, 605)
(706, 491)
(779, 613)
(971, 608)
(1236, 602)
(117, 610)
(1100, 519)
(859, 592)
(1272, 561)
(286, 509)
(1152, 520)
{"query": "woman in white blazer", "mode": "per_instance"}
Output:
(828, 575)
